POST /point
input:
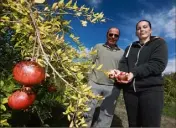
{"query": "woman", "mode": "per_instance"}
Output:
(144, 61)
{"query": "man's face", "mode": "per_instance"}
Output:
(113, 36)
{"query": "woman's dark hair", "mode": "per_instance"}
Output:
(145, 21)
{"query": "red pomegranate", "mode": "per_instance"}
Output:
(28, 73)
(52, 88)
(122, 76)
(21, 100)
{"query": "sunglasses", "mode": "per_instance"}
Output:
(115, 35)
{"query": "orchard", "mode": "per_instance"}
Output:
(43, 78)
(39, 69)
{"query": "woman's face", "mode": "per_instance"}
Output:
(143, 30)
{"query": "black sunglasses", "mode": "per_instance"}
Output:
(111, 35)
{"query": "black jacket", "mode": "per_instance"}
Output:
(146, 62)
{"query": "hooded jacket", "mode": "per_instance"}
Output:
(146, 62)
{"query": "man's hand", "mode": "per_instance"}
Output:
(113, 73)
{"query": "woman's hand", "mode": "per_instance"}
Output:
(130, 76)
(124, 77)
(120, 76)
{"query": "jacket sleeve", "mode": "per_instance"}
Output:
(123, 63)
(157, 62)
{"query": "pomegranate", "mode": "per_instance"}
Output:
(21, 100)
(28, 73)
(122, 76)
(52, 88)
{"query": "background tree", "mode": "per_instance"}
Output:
(169, 94)
(170, 87)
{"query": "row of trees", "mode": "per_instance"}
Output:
(170, 88)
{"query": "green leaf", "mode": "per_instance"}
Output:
(93, 66)
(80, 76)
(86, 89)
(74, 97)
(75, 5)
(39, 1)
(71, 124)
(68, 117)
(55, 6)
(61, 2)
(4, 122)
(78, 113)
(5, 18)
(4, 100)
(78, 13)
(69, 3)
(3, 107)
(84, 125)
(22, 1)
(74, 68)
(80, 102)
(84, 23)
(87, 109)
(2, 83)
(82, 121)
(99, 67)
(103, 20)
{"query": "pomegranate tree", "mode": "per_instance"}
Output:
(28, 73)
(21, 99)
(41, 34)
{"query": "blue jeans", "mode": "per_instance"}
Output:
(107, 107)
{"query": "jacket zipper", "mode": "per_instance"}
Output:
(134, 87)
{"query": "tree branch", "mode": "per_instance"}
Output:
(37, 33)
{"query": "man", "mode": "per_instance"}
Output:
(108, 54)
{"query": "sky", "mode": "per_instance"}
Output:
(124, 14)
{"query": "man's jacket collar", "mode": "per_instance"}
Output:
(111, 48)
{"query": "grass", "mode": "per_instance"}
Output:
(170, 110)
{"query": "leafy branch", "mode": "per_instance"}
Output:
(45, 56)
(39, 33)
